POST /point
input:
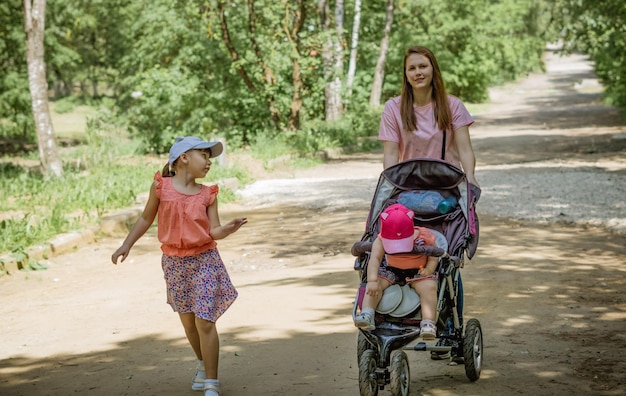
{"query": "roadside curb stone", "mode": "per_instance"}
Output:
(63, 243)
(120, 221)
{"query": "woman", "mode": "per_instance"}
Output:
(426, 122)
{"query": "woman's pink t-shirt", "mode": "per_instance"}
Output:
(426, 141)
(183, 220)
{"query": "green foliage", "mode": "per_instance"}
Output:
(317, 135)
(64, 106)
(24, 261)
(362, 121)
(349, 132)
(270, 145)
(234, 77)
(165, 107)
(16, 121)
(597, 28)
(478, 43)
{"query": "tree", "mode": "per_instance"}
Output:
(292, 31)
(379, 73)
(332, 54)
(597, 28)
(34, 22)
(354, 46)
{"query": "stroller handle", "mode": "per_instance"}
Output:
(361, 247)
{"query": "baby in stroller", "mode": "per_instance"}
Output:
(395, 244)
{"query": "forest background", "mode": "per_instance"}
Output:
(271, 78)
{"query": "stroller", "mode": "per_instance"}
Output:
(381, 355)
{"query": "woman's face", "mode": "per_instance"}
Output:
(419, 71)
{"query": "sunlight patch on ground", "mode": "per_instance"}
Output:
(517, 295)
(549, 374)
(523, 319)
(611, 316)
(558, 164)
(570, 316)
(582, 267)
(517, 268)
(539, 253)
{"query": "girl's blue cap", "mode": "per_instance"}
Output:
(184, 144)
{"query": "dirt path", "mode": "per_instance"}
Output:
(550, 296)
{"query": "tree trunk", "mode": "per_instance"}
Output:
(34, 22)
(268, 74)
(333, 58)
(353, 47)
(296, 70)
(231, 49)
(379, 74)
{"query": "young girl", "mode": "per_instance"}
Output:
(396, 239)
(198, 286)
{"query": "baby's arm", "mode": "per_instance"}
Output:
(431, 266)
(141, 226)
(376, 256)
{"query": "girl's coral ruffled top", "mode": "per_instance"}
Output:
(183, 220)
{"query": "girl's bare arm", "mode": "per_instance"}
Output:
(141, 226)
(219, 231)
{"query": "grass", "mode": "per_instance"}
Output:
(72, 124)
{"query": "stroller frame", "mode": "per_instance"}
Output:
(381, 352)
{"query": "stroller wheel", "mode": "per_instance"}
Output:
(400, 374)
(362, 345)
(473, 349)
(368, 383)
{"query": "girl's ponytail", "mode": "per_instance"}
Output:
(167, 171)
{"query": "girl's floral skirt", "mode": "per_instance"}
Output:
(198, 284)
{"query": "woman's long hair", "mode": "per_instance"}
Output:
(439, 96)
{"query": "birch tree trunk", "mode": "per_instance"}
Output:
(353, 47)
(34, 22)
(333, 58)
(379, 73)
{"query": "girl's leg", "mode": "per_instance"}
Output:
(189, 323)
(427, 290)
(209, 346)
